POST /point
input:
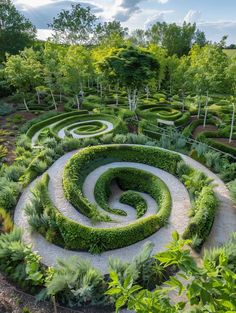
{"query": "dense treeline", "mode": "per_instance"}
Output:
(80, 52)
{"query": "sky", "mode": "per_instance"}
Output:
(215, 17)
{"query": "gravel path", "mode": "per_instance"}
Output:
(61, 132)
(225, 221)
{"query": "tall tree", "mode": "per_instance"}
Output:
(174, 38)
(24, 72)
(74, 26)
(16, 32)
(132, 68)
(110, 33)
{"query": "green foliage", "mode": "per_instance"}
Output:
(16, 28)
(136, 201)
(19, 262)
(9, 192)
(201, 222)
(75, 282)
(232, 190)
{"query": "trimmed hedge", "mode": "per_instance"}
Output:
(133, 179)
(86, 160)
(118, 125)
(200, 224)
(208, 138)
(135, 200)
(79, 237)
(47, 122)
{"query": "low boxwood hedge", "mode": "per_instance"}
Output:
(48, 121)
(200, 224)
(86, 160)
(134, 179)
(135, 200)
(75, 236)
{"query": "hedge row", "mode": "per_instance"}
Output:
(200, 224)
(118, 125)
(88, 128)
(207, 137)
(133, 179)
(79, 237)
(46, 122)
(135, 200)
(88, 159)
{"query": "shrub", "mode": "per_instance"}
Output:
(136, 201)
(75, 282)
(9, 192)
(232, 190)
(204, 212)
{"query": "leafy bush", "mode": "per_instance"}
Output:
(9, 192)
(75, 282)
(19, 262)
(232, 190)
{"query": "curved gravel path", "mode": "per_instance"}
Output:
(225, 221)
(61, 133)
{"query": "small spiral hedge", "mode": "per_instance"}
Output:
(79, 123)
(164, 112)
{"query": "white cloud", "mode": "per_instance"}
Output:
(193, 16)
(159, 16)
(125, 9)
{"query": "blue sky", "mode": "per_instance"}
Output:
(215, 17)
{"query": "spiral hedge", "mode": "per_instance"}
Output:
(163, 112)
(77, 124)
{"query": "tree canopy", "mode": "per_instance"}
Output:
(16, 32)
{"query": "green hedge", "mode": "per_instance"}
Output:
(79, 237)
(208, 138)
(135, 200)
(132, 179)
(86, 160)
(46, 122)
(118, 125)
(200, 224)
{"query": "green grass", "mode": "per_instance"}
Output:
(230, 52)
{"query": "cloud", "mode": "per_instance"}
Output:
(193, 16)
(126, 8)
(216, 30)
(159, 16)
(43, 14)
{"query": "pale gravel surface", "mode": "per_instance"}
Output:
(225, 221)
(61, 133)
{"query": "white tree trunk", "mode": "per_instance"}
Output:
(101, 91)
(53, 100)
(38, 96)
(26, 106)
(206, 111)
(147, 92)
(77, 101)
(132, 99)
(60, 97)
(199, 108)
(232, 124)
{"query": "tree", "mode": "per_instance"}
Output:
(110, 33)
(76, 67)
(16, 32)
(133, 69)
(174, 38)
(231, 74)
(24, 72)
(74, 26)
(200, 38)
